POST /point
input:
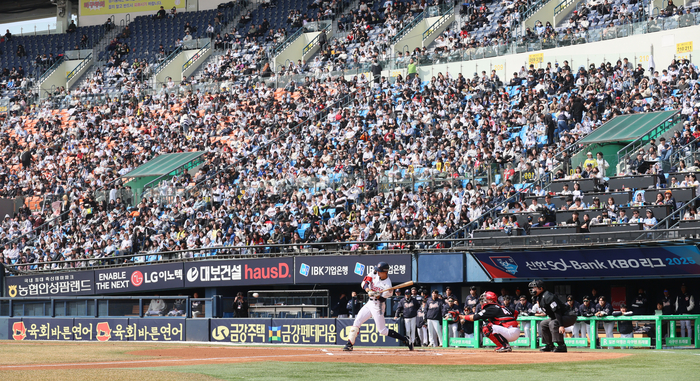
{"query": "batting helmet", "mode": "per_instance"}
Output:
(489, 297)
(382, 267)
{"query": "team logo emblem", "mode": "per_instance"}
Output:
(12, 290)
(359, 269)
(136, 278)
(19, 331)
(304, 269)
(275, 334)
(192, 274)
(220, 333)
(506, 264)
(104, 333)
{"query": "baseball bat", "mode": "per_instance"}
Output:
(402, 285)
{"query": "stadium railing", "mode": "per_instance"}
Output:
(593, 339)
(466, 244)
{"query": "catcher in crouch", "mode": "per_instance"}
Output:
(374, 284)
(501, 326)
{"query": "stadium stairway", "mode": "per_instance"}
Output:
(229, 28)
(424, 28)
(303, 44)
(99, 47)
(553, 11)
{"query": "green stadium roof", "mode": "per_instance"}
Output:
(163, 164)
(626, 128)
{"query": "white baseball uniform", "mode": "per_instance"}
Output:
(374, 308)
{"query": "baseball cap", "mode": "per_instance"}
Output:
(407, 292)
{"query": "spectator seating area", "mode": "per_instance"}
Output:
(321, 160)
(28, 57)
(146, 34)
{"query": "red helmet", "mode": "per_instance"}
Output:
(489, 297)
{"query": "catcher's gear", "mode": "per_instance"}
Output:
(382, 267)
(497, 339)
(537, 283)
(487, 329)
(488, 297)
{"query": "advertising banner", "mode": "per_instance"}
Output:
(620, 262)
(110, 7)
(43, 329)
(100, 329)
(50, 285)
(303, 331)
(156, 329)
(368, 335)
(244, 272)
(139, 278)
(240, 330)
(348, 269)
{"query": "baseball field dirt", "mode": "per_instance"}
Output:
(100, 356)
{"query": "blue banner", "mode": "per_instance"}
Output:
(51, 284)
(139, 278)
(620, 262)
(239, 272)
(349, 269)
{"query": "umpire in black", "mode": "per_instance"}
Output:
(552, 328)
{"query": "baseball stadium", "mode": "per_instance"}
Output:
(334, 189)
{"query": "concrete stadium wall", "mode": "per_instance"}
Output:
(209, 4)
(293, 52)
(636, 48)
(194, 65)
(315, 48)
(58, 77)
(414, 38)
(77, 75)
(439, 29)
(101, 19)
(174, 68)
(544, 14)
(558, 19)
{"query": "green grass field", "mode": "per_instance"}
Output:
(47, 361)
(642, 365)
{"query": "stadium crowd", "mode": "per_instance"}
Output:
(323, 160)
